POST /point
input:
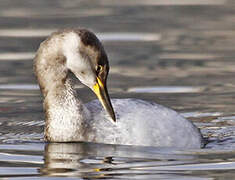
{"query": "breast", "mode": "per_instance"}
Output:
(143, 123)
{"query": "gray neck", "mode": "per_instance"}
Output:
(65, 113)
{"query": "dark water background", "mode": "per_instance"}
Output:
(178, 54)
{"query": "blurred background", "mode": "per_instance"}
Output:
(180, 54)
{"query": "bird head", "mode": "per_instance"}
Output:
(87, 60)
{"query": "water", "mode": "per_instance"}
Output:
(178, 54)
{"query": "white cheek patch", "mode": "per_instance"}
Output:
(70, 47)
(75, 62)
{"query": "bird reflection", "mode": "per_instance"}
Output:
(102, 161)
(77, 159)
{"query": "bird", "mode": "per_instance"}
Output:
(79, 53)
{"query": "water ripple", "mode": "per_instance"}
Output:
(166, 89)
(112, 36)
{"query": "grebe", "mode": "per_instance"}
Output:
(133, 122)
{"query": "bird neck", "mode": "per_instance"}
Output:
(65, 114)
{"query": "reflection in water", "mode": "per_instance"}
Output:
(88, 160)
(68, 159)
(97, 161)
(62, 159)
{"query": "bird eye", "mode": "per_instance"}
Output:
(99, 68)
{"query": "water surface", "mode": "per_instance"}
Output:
(178, 54)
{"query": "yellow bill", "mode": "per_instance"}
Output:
(102, 93)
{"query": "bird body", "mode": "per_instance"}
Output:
(128, 122)
(142, 123)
